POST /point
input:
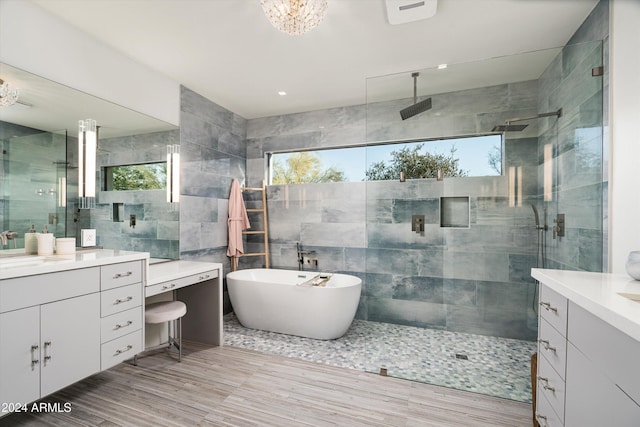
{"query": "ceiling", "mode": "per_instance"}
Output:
(227, 51)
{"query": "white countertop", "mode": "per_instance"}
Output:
(30, 265)
(598, 294)
(173, 270)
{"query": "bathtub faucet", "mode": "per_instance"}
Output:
(309, 257)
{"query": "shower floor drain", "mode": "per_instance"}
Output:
(461, 356)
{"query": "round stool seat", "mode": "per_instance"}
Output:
(165, 311)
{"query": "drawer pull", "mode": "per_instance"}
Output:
(47, 357)
(542, 418)
(120, 351)
(164, 287)
(119, 326)
(120, 301)
(34, 356)
(546, 345)
(547, 306)
(205, 277)
(121, 275)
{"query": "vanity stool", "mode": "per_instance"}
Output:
(163, 312)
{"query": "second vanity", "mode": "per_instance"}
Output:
(64, 318)
(588, 349)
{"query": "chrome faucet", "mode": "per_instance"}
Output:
(5, 236)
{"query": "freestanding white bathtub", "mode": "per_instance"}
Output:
(280, 301)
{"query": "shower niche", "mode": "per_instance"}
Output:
(454, 212)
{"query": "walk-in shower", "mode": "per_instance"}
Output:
(463, 295)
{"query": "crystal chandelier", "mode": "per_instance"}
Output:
(294, 16)
(8, 94)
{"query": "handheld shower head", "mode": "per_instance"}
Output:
(535, 213)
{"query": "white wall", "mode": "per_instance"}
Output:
(34, 40)
(624, 171)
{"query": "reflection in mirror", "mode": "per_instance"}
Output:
(39, 167)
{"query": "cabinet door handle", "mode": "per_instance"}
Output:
(173, 285)
(47, 357)
(546, 345)
(34, 356)
(119, 326)
(120, 351)
(120, 301)
(548, 387)
(121, 275)
(547, 306)
(542, 418)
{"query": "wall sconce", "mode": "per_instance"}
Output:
(173, 173)
(548, 173)
(87, 149)
(62, 191)
(515, 186)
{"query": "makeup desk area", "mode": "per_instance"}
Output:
(199, 286)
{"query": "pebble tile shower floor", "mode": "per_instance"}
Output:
(489, 365)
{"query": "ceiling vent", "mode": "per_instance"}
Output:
(403, 11)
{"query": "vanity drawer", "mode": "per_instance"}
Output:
(553, 308)
(120, 299)
(119, 324)
(553, 347)
(120, 349)
(546, 415)
(28, 291)
(551, 386)
(172, 285)
(115, 275)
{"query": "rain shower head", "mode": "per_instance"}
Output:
(417, 107)
(508, 128)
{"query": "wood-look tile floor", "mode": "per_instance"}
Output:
(226, 386)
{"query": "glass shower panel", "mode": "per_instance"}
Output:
(34, 184)
(454, 304)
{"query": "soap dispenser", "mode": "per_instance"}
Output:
(45, 242)
(31, 241)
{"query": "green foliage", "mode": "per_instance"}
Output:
(140, 177)
(415, 165)
(303, 168)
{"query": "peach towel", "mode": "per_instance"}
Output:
(238, 220)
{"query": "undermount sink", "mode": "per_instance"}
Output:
(21, 261)
(632, 297)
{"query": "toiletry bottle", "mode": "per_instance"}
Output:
(31, 241)
(45, 242)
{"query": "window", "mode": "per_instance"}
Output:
(467, 156)
(148, 176)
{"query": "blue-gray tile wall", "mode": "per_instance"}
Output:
(579, 187)
(157, 228)
(213, 152)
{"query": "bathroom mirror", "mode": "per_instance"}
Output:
(38, 166)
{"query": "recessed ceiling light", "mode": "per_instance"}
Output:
(282, 93)
(442, 66)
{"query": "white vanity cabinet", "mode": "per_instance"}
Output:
(54, 341)
(603, 378)
(68, 322)
(587, 371)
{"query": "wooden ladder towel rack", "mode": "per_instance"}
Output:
(265, 228)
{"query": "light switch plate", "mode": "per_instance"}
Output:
(88, 237)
